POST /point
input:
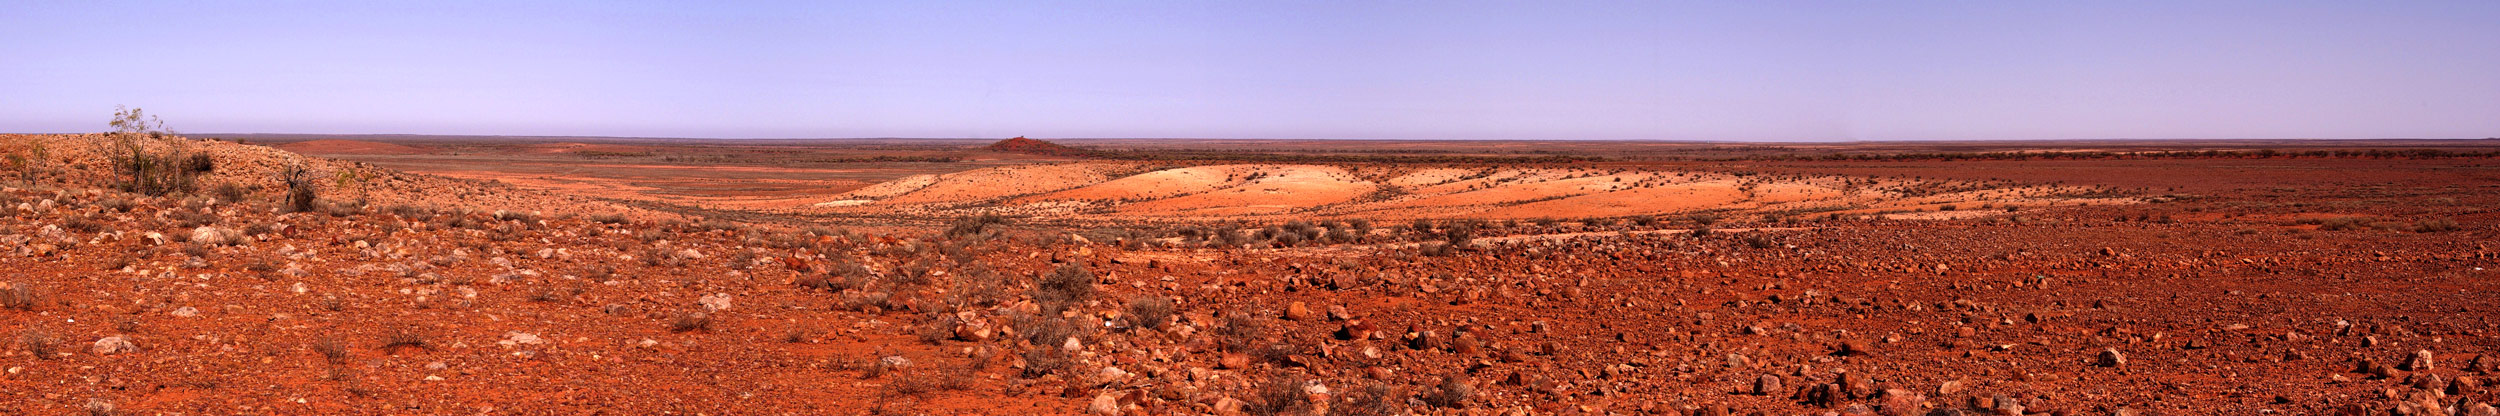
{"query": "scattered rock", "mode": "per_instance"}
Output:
(2421, 361)
(1106, 403)
(517, 338)
(113, 345)
(714, 302)
(211, 235)
(1300, 312)
(2110, 357)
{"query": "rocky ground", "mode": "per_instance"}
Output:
(2272, 297)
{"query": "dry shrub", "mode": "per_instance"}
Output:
(406, 337)
(2436, 225)
(302, 194)
(1452, 392)
(37, 343)
(1150, 312)
(1374, 399)
(331, 349)
(1281, 396)
(1069, 284)
(230, 192)
(1242, 332)
(17, 296)
(865, 301)
(1044, 360)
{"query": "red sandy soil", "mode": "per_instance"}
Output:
(2327, 286)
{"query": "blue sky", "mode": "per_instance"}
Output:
(1663, 70)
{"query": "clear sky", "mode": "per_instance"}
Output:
(1715, 70)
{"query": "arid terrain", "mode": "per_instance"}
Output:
(302, 274)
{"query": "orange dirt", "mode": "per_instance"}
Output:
(2346, 285)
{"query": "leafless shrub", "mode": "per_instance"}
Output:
(230, 192)
(974, 226)
(1374, 399)
(82, 224)
(1281, 396)
(99, 407)
(331, 349)
(1042, 360)
(117, 204)
(2435, 225)
(867, 301)
(1070, 283)
(38, 344)
(17, 296)
(938, 328)
(797, 334)
(1149, 312)
(1241, 332)
(302, 193)
(1760, 241)
(343, 208)
(409, 212)
(919, 383)
(406, 337)
(1045, 331)
(979, 287)
(1452, 392)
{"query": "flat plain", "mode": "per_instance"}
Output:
(441, 275)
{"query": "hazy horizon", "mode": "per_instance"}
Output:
(1670, 71)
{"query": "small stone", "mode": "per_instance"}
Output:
(1106, 403)
(2430, 382)
(1766, 385)
(2007, 406)
(113, 345)
(894, 362)
(2110, 357)
(973, 331)
(1300, 312)
(1854, 347)
(1902, 401)
(1229, 406)
(714, 302)
(186, 312)
(213, 236)
(1233, 361)
(2421, 361)
(516, 338)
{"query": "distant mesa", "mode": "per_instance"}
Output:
(1036, 147)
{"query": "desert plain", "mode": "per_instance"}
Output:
(323, 274)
